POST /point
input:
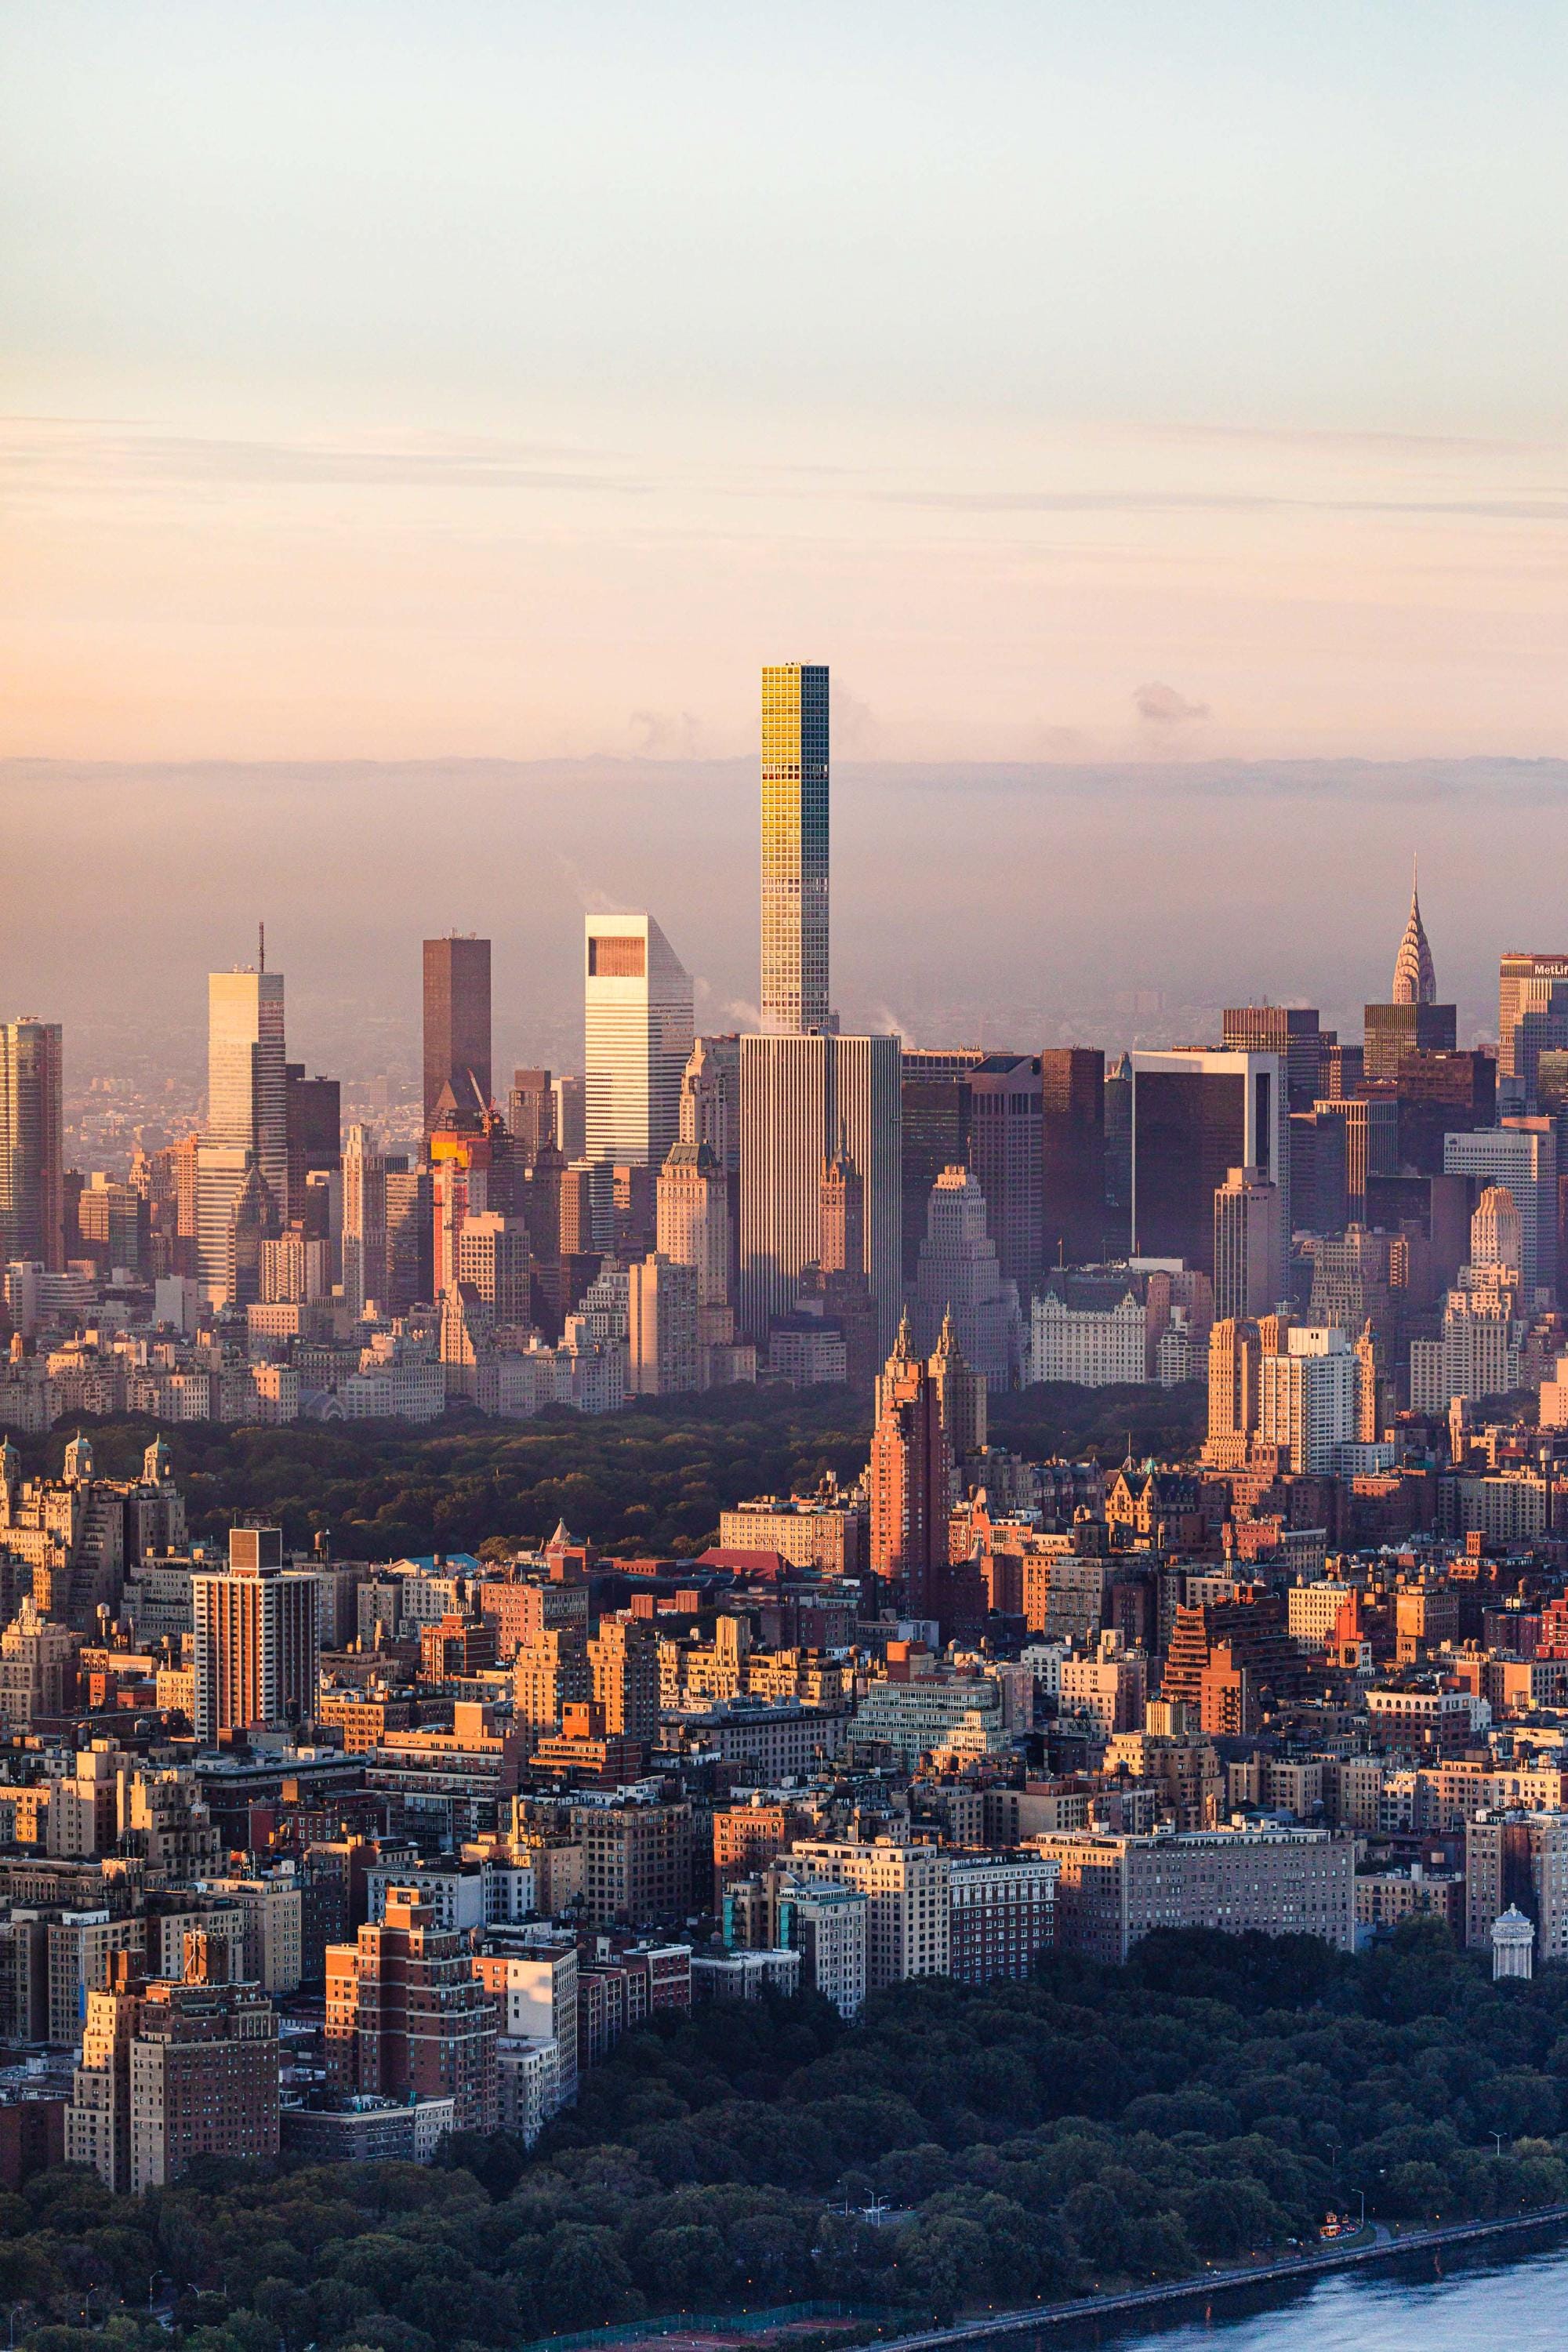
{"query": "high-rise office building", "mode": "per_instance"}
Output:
(531, 1114)
(638, 1036)
(313, 1124)
(1007, 1151)
(1196, 1116)
(1533, 1013)
(247, 1118)
(456, 1024)
(1249, 1244)
(1291, 1031)
(32, 1145)
(258, 1638)
(365, 1265)
(804, 1101)
(570, 1122)
(1521, 1154)
(936, 1107)
(1118, 1156)
(795, 848)
(1072, 1154)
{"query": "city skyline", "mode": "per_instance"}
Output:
(855, 1404)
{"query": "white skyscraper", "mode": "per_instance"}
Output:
(1521, 1155)
(803, 1099)
(637, 1034)
(1307, 1397)
(247, 1113)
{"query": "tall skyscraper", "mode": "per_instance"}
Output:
(314, 1115)
(32, 1145)
(1007, 1145)
(910, 1478)
(1533, 1013)
(258, 1638)
(365, 1267)
(1521, 1154)
(1291, 1031)
(531, 1114)
(248, 1116)
(1249, 1245)
(1072, 1154)
(693, 1213)
(936, 1118)
(637, 1035)
(1195, 1117)
(960, 1286)
(1414, 979)
(457, 1023)
(1307, 1397)
(802, 1100)
(1412, 1021)
(795, 848)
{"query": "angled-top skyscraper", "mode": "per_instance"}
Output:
(1414, 980)
(637, 1039)
(795, 848)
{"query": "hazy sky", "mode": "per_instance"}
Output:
(1084, 380)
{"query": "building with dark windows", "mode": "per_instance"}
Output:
(936, 1115)
(32, 1150)
(1196, 1116)
(1005, 1153)
(1291, 1031)
(1072, 1154)
(457, 1023)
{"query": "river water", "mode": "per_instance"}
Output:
(1450, 2300)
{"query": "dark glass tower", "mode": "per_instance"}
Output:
(456, 1024)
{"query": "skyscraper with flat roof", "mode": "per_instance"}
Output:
(795, 848)
(457, 1023)
(637, 1035)
(248, 1116)
(1196, 1116)
(32, 1147)
(804, 1101)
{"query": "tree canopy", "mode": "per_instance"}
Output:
(1215, 2098)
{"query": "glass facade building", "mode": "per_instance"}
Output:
(795, 848)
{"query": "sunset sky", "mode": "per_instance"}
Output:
(1083, 382)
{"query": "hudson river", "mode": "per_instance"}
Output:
(1474, 2300)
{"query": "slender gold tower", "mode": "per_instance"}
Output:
(795, 848)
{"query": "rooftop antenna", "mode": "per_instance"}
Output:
(261, 946)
